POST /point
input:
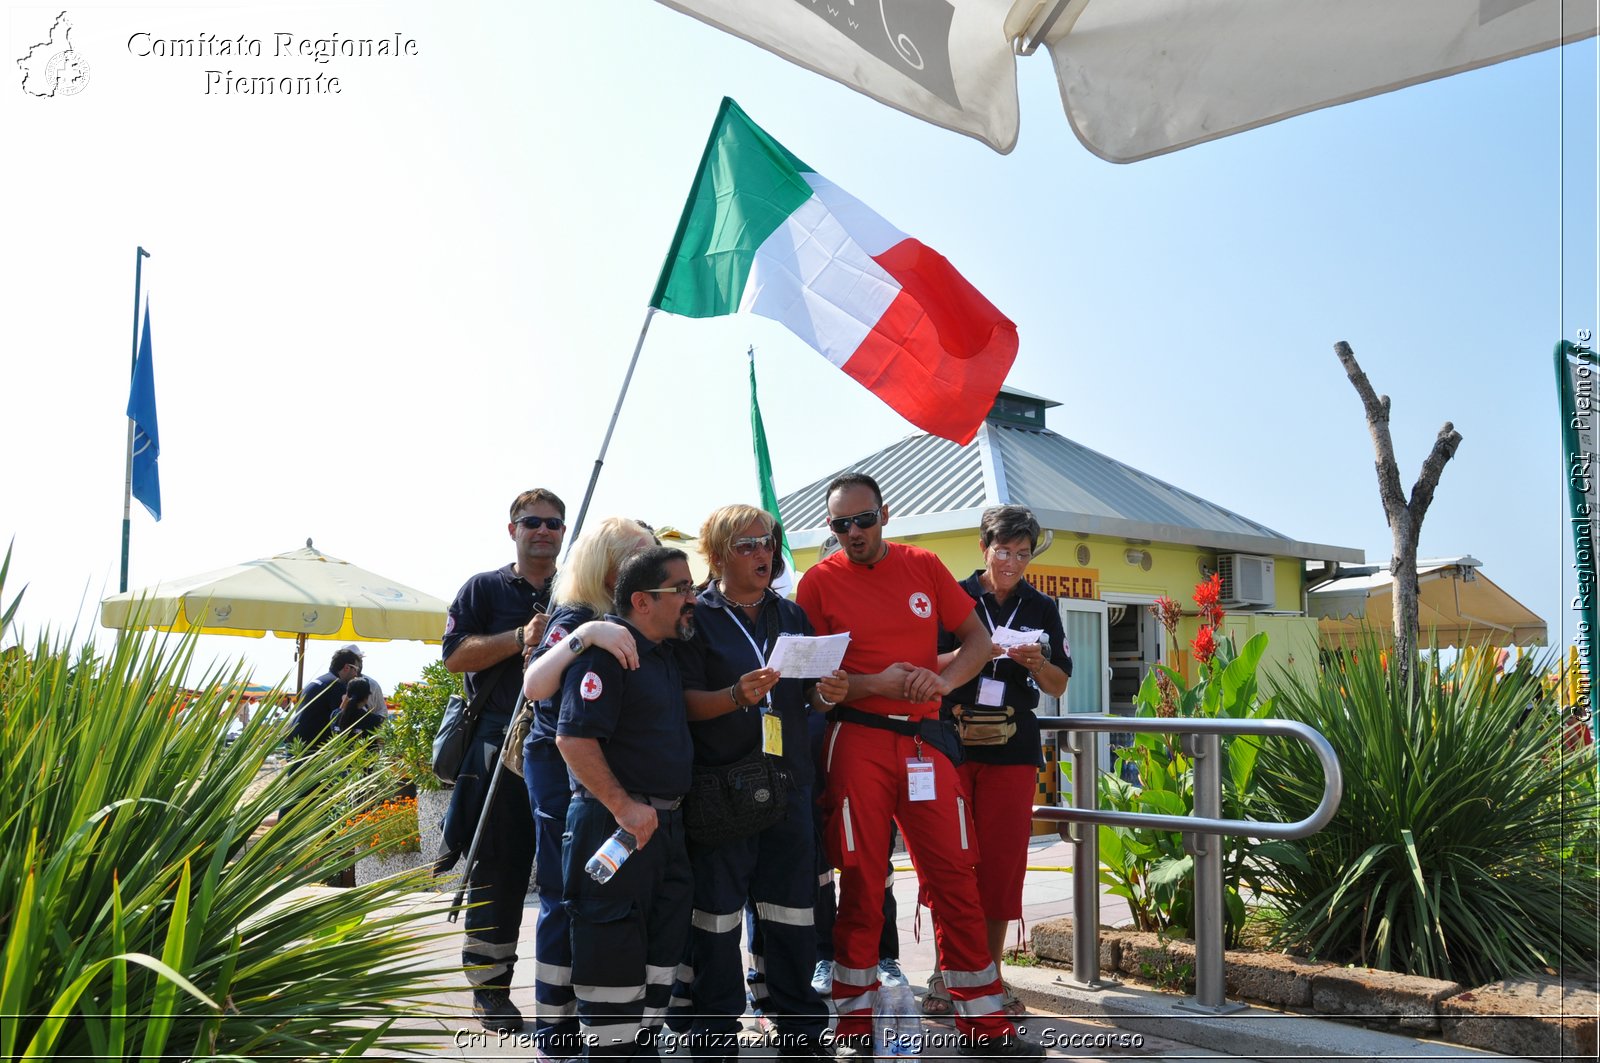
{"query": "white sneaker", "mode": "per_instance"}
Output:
(822, 978)
(890, 976)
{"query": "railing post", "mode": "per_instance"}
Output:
(1210, 979)
(1084, 746)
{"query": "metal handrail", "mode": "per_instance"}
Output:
(1203, 742)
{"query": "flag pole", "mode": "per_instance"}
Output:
(127, 479)
(605, 444)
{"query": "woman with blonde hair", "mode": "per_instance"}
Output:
(580, 596)
(737, 706)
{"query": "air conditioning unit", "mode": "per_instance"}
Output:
(1246, 579)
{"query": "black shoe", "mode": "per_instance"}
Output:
(494, 1010)
(853, 1046)
(1007, 1046)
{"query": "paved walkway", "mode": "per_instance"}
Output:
(1077, 1028)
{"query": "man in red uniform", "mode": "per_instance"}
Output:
(883, 764)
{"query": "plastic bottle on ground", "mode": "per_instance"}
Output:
(897, 1023)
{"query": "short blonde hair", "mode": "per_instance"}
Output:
(723, 525)
(591, 568)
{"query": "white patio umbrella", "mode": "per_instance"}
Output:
(1141, 78)
(303, 594)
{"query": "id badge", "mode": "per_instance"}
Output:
(991, 692)
(919, 779)
(771, 734)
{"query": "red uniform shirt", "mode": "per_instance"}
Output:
(892, 610)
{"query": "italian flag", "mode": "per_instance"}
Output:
(762, 232)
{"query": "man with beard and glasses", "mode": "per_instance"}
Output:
(494, 622)
(889, 759)
(624, 735)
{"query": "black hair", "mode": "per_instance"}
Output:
(1001, 524)
(644, 571)
(854, 479)
(348, 655)
(359, 690)
(537, 496)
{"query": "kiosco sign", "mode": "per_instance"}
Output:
(1064, 582)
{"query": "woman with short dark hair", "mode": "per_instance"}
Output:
(994, 714)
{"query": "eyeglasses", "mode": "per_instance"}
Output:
(1002, 554)
(862, 520)
(535, 523)
(682, 590)
(747, 546)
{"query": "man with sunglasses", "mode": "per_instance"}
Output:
(625, 737)
(888, 759)
(494, 622)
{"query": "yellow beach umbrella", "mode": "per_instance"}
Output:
(303, 594)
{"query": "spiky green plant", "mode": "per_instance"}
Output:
(138, 917)
(1457, 849)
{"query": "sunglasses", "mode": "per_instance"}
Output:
(862, 520)
(535, 523)
(747, 546)
(682, 590)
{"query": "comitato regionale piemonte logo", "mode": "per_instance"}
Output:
(53, 67)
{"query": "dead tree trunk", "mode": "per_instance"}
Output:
(1404, 517)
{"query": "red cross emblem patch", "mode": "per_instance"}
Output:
(590, 687)
(921, 605)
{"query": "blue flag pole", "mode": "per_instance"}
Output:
(127, 484)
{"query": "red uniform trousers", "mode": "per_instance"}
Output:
(1002, 810)
(867, 786)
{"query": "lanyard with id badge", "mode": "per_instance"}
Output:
(989, 721)
(919, 777)
(771, 722)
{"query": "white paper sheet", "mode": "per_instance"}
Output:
(802, 657)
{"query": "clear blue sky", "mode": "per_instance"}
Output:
(378, 315)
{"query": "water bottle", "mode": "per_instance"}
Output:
(897, 1022)
(606, 859)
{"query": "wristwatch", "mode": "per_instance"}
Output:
(575, 644)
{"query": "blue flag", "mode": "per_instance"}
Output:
(146, 437)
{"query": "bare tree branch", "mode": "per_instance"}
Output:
(1444, 448)
(1377, 409)
(1405, 519)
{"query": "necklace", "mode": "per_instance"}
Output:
(741, 605)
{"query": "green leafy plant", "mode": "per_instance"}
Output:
(144, 910)
(1170, 976)
(416, 711)
(1151, 869)
(1462, 847)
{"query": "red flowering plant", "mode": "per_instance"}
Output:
(1150, 868)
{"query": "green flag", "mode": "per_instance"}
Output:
(769, 496)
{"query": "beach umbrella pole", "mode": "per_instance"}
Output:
(299, 663)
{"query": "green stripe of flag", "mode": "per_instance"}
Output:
(747, 185)
(769, 495)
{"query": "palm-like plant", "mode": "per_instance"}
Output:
(1457, 848)
(138, 917)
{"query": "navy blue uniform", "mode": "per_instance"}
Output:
(1028, 610)
(319, 701)
(773, 870)
(492, 603)
(555, 1023)
(628, 935)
